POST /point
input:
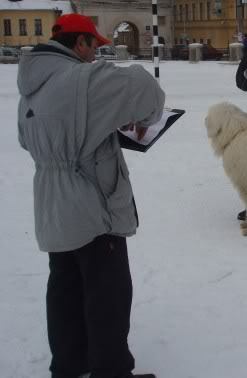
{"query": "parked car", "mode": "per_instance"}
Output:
(208, 52)
(211, 53)
(106, 52)
(180, 52)
(8, 54)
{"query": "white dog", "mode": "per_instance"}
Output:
(227, 129)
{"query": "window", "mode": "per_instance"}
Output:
(193, 12)
(201, 11)
(161, 20)
(180, 13)
(218, 7)
(38, 26)
(23, 26)
(186, 12)
(7, 27)
(175, 13)
(208, 10)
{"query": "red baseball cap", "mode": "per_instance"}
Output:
(77, 23)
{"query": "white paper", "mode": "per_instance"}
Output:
(152, 131)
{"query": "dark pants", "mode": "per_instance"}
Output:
(89, 298)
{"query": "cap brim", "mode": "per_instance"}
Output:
(102, 40)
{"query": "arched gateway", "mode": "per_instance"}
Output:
(126, 33)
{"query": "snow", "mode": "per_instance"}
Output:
(123, 27)
(36, 5)
(188, 260)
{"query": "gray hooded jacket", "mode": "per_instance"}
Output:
(69, 113)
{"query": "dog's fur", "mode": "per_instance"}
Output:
(227, 129)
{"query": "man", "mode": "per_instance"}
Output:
(69, 114)
(241, 82)
(244, 41)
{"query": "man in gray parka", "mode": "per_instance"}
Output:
(69, 113)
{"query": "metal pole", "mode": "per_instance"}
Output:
(239, 17)
(155, 39)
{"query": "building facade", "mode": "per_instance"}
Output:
(129, 22)
(28, 22)
(217, 22)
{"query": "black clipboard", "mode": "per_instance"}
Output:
(130, 144)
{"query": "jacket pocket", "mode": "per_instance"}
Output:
(122, 196)
(113, 178)
(107, 174)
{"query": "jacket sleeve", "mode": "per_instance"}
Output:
(241, 75)
(147, 98)
(118, 96)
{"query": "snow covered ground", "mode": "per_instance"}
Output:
(188, 260)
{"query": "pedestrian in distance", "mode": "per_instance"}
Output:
(69, 113)
(241, 82)
(244, 41)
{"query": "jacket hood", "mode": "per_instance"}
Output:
(36, 66)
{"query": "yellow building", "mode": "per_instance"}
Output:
(28, 22)
(208, 21)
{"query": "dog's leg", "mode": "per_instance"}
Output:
(243, 226)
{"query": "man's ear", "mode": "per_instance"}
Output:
(80, 41)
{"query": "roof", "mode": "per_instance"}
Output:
(62, 5)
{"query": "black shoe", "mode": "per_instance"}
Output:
(242, 215)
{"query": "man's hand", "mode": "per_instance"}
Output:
(140, 130)
(129, 127)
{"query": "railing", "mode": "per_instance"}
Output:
(141, 54)
(172, 54)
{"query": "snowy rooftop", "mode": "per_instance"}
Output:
(37, 5)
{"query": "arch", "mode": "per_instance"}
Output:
(127, 33)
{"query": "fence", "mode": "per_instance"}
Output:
(182, 53)
(174, 53)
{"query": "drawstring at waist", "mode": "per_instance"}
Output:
(58, 165)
